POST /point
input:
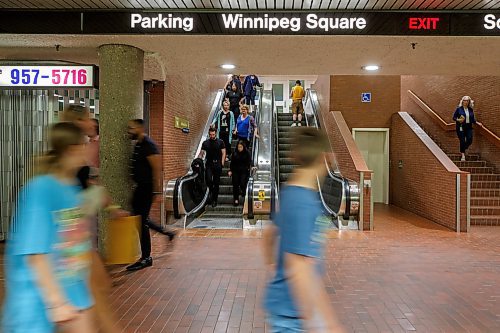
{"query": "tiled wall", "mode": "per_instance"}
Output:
(443, 93)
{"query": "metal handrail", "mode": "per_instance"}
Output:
(347, 185)
(175, 185)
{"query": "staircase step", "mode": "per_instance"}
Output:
(481, 193)
(284, 176)
(485, 201)
(478, 170)
(484, 210)
(485, 220)
(285, 116)
(224, 208)
(485, 177)
(285, 153)
(457, 157)
(485, 184)
(282, 129)
(286, 134)
(285, 123)
(287, 168)
(469, 164)
(282, 140)
(286, 161)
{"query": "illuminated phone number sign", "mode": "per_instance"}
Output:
(47, 76)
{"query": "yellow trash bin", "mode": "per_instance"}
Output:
(122, 240)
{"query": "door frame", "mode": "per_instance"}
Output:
(386, 154)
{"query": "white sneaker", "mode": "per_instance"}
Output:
(463, 158)
(300, 124)
(294, 124)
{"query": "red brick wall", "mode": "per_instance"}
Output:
(423, 185)
(346, 97)
(190, 98)
(442, 94)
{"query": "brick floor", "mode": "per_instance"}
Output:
(407, 275)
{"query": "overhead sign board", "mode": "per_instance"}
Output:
(45, 76)
(253, 22)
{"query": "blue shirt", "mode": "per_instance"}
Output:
(301, 224)
(48, 220)
(244, 126)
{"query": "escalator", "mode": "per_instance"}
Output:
(186, 196)
(339, 196)
(271, 166)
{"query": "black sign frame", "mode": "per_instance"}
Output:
(390, 23)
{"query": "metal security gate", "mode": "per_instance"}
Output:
(25, 115)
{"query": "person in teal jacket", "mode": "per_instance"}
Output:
(224, 123)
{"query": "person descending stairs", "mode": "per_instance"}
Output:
(225, 207)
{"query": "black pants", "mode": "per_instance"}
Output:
(236, 111)
(224, 136)
(240, 179)
(212, 178)
(142, 200)
(465, 138)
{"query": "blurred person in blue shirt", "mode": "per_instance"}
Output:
(296, 299)
(48, 250)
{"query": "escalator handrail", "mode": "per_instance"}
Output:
(255, 155)
(311, 95)
(216, 106)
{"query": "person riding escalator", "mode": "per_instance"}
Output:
(240, 171)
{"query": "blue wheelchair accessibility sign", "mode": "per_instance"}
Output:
(366, 97)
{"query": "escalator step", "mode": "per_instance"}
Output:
(285, 161)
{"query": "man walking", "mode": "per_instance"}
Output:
(146, 173)
(214, 152)
(297, 95)
(296, 299)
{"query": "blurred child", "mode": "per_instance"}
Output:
(296, 299)
(48, 253)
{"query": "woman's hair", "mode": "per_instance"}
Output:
(309, 143)
(61, 136)
(241, 142)
(75, 112)
(244, 106)
(471, 102)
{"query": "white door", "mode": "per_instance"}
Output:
(282, 88)
(374, 146)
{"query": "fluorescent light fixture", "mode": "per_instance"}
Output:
(228, 66)
(371, 68)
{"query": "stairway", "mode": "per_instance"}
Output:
(225, 207)
(485, 186)
(485, 189)
(285, 145)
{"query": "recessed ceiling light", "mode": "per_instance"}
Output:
(228, 66)
(371, 68)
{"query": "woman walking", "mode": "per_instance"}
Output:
(464, 118)
(48, 255)
(240, 171)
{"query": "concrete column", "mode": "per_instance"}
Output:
(120, 99)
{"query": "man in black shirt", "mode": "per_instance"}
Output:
(214, 152)
(146, 173)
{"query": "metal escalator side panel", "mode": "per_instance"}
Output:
(175, 192)
(259, 188)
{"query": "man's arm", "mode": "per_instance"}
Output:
(223, 156)
(155, 162)
(309, 291)
(269, 241)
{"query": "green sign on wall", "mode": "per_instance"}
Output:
(181, 123)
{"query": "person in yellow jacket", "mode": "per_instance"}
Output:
(297, 95)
